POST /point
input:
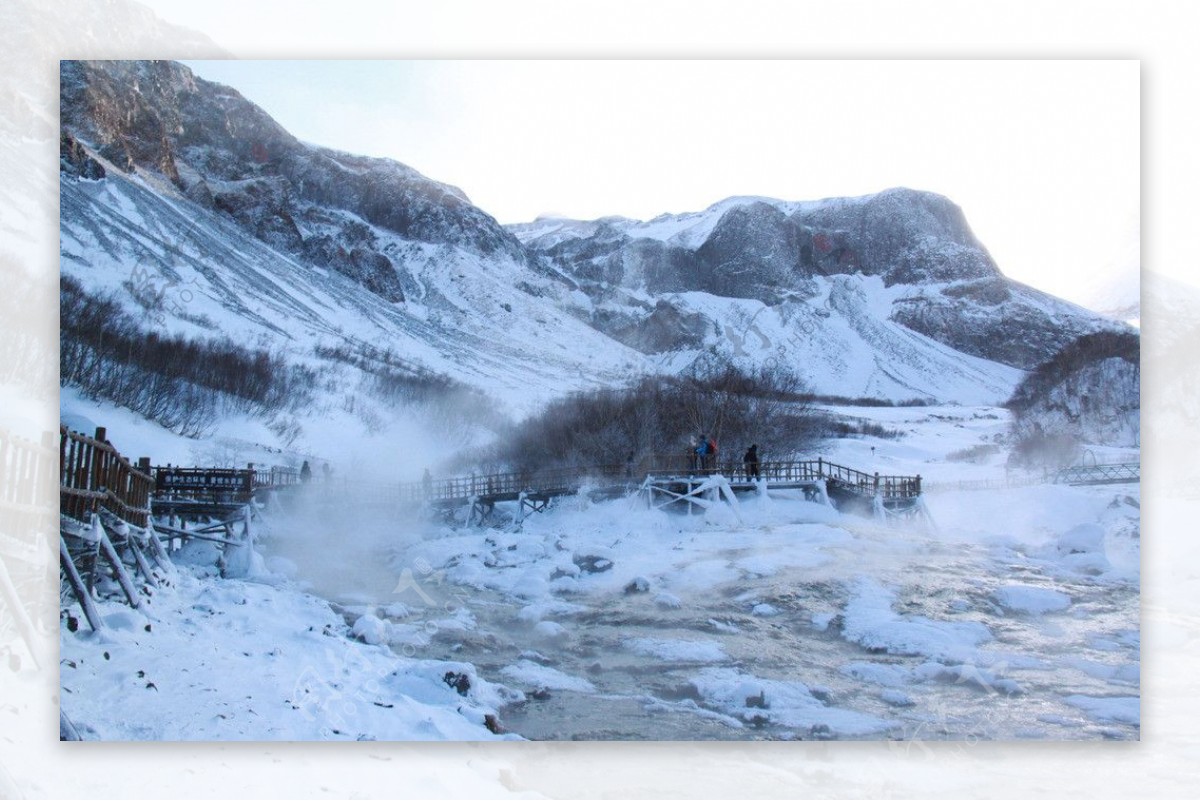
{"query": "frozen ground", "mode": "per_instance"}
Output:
(1016, 616)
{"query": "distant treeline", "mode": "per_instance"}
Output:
(188, 384)
(183, 384)
(1083, 351)
(876, 403)
(1040, 440)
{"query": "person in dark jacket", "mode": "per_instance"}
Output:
(305, 472)
(750, 462)
(702, 455)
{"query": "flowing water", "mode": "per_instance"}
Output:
(1013, 686)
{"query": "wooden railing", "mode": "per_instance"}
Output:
(275, 477)
(567, 480)
(93, 475)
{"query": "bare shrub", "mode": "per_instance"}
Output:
(658, 415)
(183, 384)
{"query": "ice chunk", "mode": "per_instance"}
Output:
(678, 650)
(542, 677)
(371, 630)
(1028, 600)
(1118, 709)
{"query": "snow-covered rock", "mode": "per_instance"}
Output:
(1024, 599)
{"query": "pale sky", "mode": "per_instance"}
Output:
(1043, 156)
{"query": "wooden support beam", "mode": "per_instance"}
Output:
(142, 565)
(183, 533)
(114, 559)
(78, 588)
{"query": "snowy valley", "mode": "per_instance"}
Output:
(1014, 617)
(232, 295)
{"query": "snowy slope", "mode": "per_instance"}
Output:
(464, 317)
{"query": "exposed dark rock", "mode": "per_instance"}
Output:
(665, 328)
(74, 159)
(227, 154)
(459, 681)
(593, 564)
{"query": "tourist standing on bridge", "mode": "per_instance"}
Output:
(327, 472)
(702, 452)
(305, 472)
(427, 484)
(750, 462)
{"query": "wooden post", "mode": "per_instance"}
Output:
(114, 559)
(77, 586)
(140, 560)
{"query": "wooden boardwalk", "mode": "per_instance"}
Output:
(119, 520)
(533, 490)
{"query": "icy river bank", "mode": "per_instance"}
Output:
(1017, 617)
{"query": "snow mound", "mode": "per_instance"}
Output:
(678, 650)
(542, 677)
(371, 630)
(870, 621)
(1084, 538)
(784, 703)
(1119, 709)
(1027, 600)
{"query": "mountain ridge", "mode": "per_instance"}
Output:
(887, 295)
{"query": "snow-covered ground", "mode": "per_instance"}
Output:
(1015, 616)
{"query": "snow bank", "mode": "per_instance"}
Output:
(213, 659)
(1119, 709)
(541, 677)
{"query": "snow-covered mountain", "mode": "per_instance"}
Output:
(203, 215)
(197, 210)
(911, 252)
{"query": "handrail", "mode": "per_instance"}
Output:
(561, 480)
(93, 475)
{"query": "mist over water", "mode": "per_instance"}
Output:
(845, 628)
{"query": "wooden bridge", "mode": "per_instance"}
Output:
(120, 521)
(663, 481)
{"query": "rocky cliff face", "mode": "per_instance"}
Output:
(945, 284)
(226, 154)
